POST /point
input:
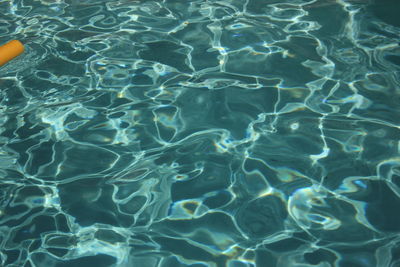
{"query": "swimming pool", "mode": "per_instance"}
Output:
(200, 133)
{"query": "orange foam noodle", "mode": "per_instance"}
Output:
(10, 50)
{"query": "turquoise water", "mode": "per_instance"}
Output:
(235, 133)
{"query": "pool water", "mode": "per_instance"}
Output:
(236, 133)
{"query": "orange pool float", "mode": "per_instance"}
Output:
(10, 50)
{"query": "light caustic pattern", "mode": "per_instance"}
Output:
(200, 133)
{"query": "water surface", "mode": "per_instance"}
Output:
(200, 133)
